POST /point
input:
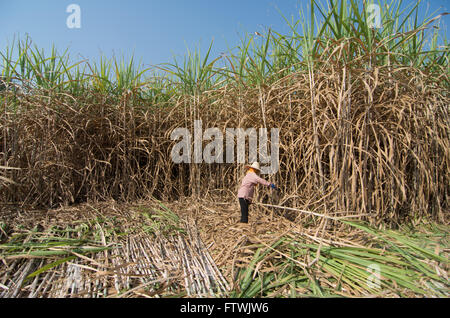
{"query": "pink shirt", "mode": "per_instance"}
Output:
(248, 184)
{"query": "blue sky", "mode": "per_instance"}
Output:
(155, 30)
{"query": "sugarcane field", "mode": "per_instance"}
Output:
(307, 161)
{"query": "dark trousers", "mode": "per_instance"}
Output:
(244, 209)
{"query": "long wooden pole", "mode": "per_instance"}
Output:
(311, 213)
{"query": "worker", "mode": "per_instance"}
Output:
(245, 193)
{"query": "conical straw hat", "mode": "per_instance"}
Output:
(255, 166)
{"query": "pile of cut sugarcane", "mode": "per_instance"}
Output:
(106, 251)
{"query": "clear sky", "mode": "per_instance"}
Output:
(155, 30)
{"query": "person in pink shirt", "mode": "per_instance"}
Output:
(246, 191)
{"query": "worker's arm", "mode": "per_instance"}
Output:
(264, 182)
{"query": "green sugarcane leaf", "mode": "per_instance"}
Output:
(48, 267)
